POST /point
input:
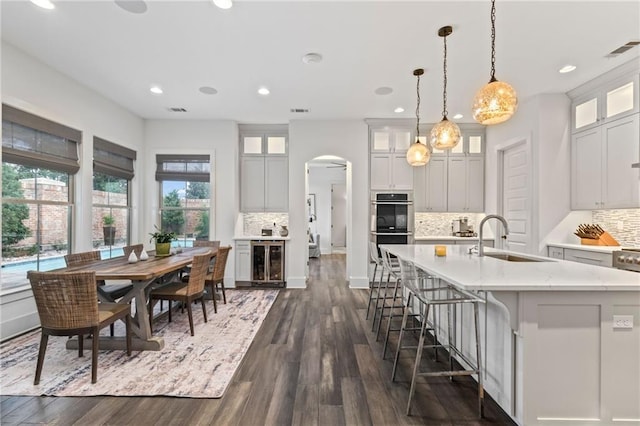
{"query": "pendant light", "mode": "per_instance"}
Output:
(496, 102)
(445, 134)
(418, 153)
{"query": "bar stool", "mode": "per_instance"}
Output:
(373, 289)
(392, 268)
(428, 298)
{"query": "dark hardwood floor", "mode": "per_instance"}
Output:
(314, 362)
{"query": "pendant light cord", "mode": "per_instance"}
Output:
(418, 109)
(493, 41)
(444, 93)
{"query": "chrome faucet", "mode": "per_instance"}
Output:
(491, 216)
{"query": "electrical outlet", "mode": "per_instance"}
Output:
(620, 225)
(623, 321)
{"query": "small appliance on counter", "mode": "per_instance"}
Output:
(594, 235)
(461, 228)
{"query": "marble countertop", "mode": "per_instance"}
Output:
(471, 272)
(599, 249)
(261, 238)
(450, 238)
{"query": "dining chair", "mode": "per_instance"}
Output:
(184, 292)
(108, 292)
(67, 304)
(216, 277)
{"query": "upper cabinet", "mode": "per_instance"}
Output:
(389, 167)
(264, 169)
(611, 101)
(606, 142)
(453, 180)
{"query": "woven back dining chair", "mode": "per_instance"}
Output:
(68, 305)
(185, 292)
(108, 292)
(136, 248)
(216, 277)
(203, 243)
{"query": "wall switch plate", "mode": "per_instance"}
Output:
(620, 225)
(623, 321)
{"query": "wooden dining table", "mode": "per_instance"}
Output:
(142, 275)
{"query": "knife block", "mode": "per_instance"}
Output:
(605, 239)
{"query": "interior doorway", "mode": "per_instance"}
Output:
(327, 191)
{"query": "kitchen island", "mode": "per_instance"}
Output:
(553, 353)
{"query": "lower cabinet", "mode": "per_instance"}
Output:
(243, 261)
(581, 256)
(487, 243)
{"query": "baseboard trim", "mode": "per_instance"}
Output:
(359, 282)
(296, 282)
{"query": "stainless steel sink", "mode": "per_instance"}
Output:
(513, 258)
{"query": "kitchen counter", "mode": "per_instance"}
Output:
(598, 249)
(471, 272)
(471, 240)
(549, 329)
(260, 238)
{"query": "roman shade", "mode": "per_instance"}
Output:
(34, 141)
(112, 159)
(192, 168)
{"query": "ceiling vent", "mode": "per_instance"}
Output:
(299, 110)
(177, 109)
(623, 49)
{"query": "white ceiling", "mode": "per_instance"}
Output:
(183, 45)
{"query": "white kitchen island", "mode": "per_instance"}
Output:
(552, 353)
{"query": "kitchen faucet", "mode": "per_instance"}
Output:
(491, 216)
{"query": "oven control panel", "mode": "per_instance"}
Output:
(627, 259)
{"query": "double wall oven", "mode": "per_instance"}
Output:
(392, 217)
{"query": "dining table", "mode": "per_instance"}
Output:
(142, 274)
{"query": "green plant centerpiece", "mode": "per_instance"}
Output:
(109, 229)
(163, 241)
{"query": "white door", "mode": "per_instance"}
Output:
(338, 216)
(516, 198)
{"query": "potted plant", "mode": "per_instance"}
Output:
(163, 241)
(108, 229)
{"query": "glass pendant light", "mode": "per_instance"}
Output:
(418, 153)
(496, 102)
(445, 134)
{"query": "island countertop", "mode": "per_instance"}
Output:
(471, 272)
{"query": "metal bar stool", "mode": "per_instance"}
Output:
(373, 289)
(392, 268)
(427, 298)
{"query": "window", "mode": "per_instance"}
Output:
(184, 196)
(39, 159)
(112, 174)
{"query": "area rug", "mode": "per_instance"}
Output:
(199, 366)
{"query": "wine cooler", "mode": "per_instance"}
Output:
(267, 263)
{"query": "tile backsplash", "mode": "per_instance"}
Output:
(439, 224)
(253, 223)
(623, 225)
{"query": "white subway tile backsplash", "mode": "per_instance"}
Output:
(622, 224)
(253, 223)
(439, 224)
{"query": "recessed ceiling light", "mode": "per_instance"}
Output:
(156, 89)
(566, 69)
(45, 4)
(398, 110)
(208, 90)
(312, 58)
(383, 91)
(458, 116)
(263, 91)
(223, 4)
(132, 6)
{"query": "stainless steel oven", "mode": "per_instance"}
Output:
(392, 217)
(627, 259)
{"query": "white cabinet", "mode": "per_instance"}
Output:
(465, 184)
(243, 261)
(430, 192)
(601, 158)
(608, 102)
(264, 169)
(589, 257)
(389, 167)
